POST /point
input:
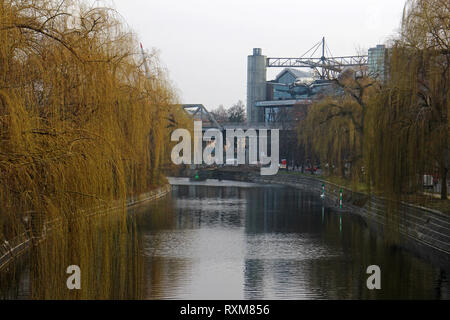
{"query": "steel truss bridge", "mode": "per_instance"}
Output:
(326, 66)
(200, 113)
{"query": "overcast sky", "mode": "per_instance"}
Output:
(205, 43)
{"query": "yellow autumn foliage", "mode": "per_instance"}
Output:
(81, 124)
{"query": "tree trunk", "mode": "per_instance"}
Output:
(342, 170)
(444, 191)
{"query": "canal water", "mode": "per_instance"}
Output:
(230, 240)
(234, 240)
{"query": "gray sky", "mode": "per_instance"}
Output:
(205, 43)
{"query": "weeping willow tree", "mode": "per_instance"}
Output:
(334, 127)
(331, 136)
(409, 117)
(82, 126)
(397, 130)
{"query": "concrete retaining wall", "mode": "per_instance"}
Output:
(14, 248)
(422, 231)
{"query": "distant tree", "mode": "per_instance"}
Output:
(237, 112)
(220, 114)
(334, 128)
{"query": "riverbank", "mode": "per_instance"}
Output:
(12, 250)
(424, 232)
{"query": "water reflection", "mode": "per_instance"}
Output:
(224, 240)
(271, 242)
(105, 247)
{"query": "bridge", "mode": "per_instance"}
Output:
(200, 113)
(326, 66)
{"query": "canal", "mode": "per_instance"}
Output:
(230, 240)
(234, 240)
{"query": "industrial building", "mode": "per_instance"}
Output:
(256, 85)
(377, 62)
(294, 88)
